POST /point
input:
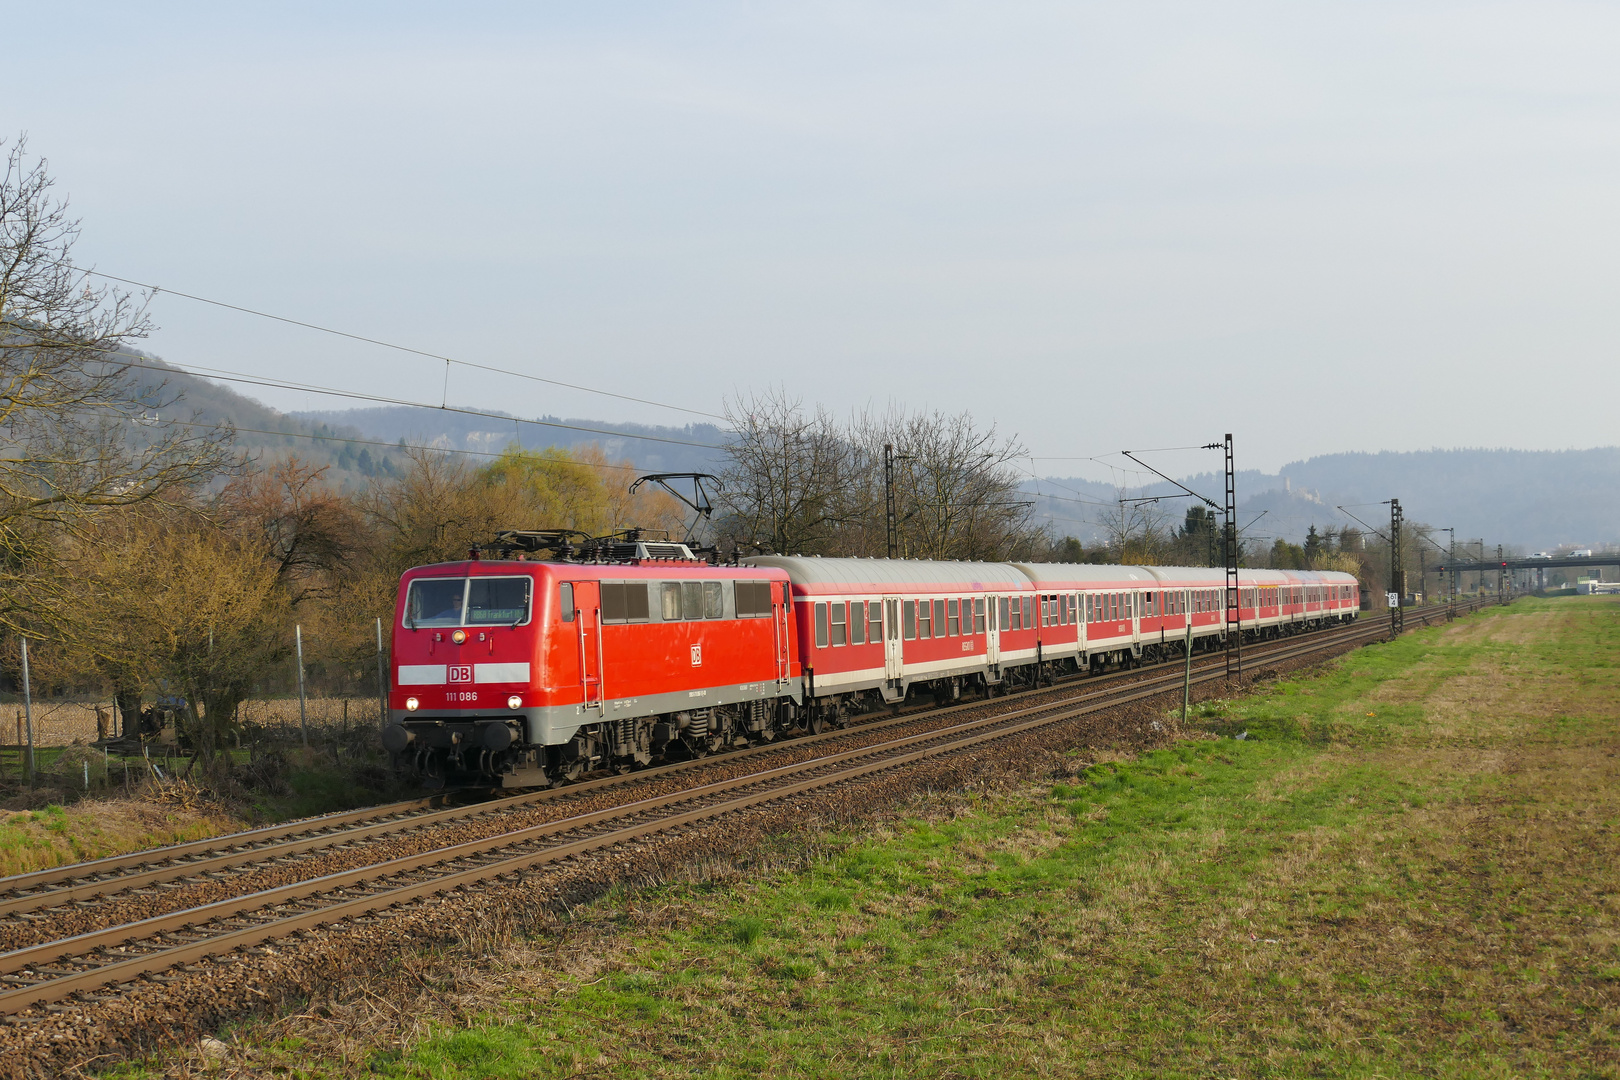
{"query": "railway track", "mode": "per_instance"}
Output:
(219, 858)
(229, 930)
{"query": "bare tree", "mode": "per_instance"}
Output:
(785, 484)
(1136, 529)
(308, 532)
(70, 401)
(958, 492)
(804, 483)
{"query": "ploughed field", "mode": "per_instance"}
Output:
(1408, 867)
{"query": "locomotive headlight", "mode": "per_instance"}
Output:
(411, 704)
(514, 702)
(458, 636)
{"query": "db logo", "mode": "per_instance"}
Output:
(697, 656)
(461, 673)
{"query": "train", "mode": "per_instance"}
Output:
(520, 672)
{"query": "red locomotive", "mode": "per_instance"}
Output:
(621, 652)
(527, 673)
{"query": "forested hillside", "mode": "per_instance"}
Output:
(694, 448)
(262, 433)
(1526, 498)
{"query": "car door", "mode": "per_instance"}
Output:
(893, 660)
(588, 599)
(779, 627)
(992, 631)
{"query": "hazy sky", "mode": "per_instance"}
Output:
(1321, 227)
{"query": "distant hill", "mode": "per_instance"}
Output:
(692, 448)
(1528, 499)
(350, 456)
(1531, 499)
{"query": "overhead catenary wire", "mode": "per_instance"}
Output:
(1083, 500)
(1149, 450)
(1369, 528)
(127, 358)
(280, 384)
(136, 360)
(365, 442)
(394, 345)
(1042, 495)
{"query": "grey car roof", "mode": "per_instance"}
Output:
(1064, 573)
(814, 570)
(1216, 575)
(1081, 573)
(811, 570)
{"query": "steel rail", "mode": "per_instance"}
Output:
(59, 984)
(193, 848)
(246, 851)
(10, 962)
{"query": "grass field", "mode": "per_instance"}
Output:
(1408, 868)
(113, 819)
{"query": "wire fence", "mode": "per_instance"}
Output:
(80, 721)
(277, 719)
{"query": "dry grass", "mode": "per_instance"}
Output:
(96, 828)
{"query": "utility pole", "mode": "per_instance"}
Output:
(891, 527)
(1397, 574)
(1423, 572)
(1234, 612)
(1501, 576)
(28, 710)
(298, 647)
(1186, 678)
(382, 678)
(891, 516)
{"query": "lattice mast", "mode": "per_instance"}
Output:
(1234, 611)
(1397, 571)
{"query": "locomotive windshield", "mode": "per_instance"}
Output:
(481, 601)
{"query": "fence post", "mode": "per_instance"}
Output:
(382, 678)
(303, 721)
(1186, 680)
(28, 711)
